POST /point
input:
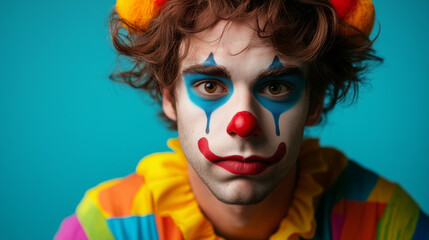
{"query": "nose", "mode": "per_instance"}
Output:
(244, 124)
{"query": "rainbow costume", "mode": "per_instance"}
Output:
(334, 199)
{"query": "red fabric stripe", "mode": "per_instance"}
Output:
(360, 219)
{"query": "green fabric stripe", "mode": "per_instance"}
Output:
(400, 217)
(92, 220)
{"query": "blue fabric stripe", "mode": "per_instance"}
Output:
(422, 228)
(134, 227)
(356, 183)
(323, 215)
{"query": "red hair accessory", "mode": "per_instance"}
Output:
(358, 13)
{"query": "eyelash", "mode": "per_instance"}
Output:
(285, 90)
(220, 89)
(199, 85)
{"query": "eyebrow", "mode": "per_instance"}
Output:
(216, 70)
(275, 72)
(221, 71)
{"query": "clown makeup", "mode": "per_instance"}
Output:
(209, 87)
(241, 112)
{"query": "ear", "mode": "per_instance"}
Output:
(314, 117)
(167, 104)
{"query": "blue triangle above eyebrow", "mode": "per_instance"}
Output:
(276, 63)
(210, 61)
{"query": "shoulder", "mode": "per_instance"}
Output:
(125, 208)
(362, 204)
(108, 207)
(116, 198)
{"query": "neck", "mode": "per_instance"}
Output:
(257, 221)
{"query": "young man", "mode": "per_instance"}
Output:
(241, 80)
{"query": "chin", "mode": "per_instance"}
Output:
(241, 191)
(242, 201)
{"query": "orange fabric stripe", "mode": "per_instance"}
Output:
(361, 218)
(167, 229)
(117, 200)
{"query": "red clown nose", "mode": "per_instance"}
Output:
(244, 124)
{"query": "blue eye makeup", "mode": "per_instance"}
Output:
(276, 63)
(284, 92)
(207, 91)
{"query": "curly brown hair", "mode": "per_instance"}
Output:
(334, 64)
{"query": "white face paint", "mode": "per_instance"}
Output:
(226, 108)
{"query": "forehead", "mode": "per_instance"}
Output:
(229, 41)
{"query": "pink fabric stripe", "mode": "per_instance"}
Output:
(337, 225)
(71, 229)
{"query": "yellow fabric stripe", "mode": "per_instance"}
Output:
(382, 191)
(143, 203)
(335, 163)
(92, 220)
(400, 217)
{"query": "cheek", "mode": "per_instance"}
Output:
(292, 122)
(191, 119)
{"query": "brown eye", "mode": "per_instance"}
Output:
(274, 88)
(210, 87)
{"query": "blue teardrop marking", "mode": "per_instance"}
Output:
(276, 117)
(208, 115)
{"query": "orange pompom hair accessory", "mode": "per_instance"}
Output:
(358, 13)
(138, 13)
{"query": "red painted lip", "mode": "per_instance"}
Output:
(237, 164)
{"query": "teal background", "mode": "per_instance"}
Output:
(64, 127)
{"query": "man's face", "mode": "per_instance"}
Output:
(241, 112)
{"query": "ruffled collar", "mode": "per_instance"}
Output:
(166, 178)
(300, 221)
